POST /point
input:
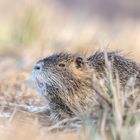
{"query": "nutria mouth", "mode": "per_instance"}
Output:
(39, 83)
(38, 80)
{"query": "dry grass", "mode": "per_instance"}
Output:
(32, 30)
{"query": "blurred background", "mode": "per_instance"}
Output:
(32, 29)
(57, 25)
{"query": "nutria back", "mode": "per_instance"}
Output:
(119, 64)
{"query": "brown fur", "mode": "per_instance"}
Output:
(66, 80)
(119, 64)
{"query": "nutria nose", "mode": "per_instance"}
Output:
(38, 66)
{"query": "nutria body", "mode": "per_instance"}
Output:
(66, 80)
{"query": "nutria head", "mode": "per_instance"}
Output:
(65, 78)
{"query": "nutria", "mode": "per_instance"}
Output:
(66, 80)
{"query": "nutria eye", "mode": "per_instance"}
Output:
(61, 65)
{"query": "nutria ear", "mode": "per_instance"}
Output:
(79, 62)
